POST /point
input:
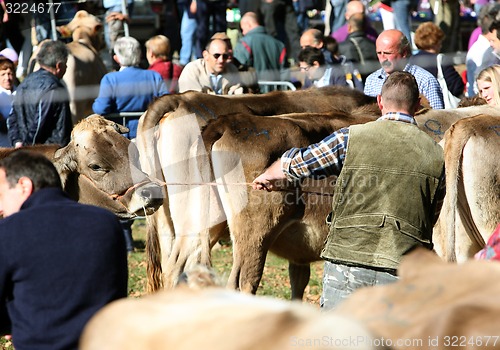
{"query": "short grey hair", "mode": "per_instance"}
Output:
(51, 53)
(128, 51)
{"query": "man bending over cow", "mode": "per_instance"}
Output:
(387, 197)
(60, 261)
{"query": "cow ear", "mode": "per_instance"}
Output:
(120, 128)
(64, 161)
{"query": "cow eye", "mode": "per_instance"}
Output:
(95, 167)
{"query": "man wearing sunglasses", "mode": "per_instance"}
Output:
(212, 73)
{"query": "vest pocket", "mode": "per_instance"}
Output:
(371, 220)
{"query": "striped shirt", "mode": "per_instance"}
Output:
(427, 84)
(326, 157)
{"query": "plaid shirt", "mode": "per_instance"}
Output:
(326, 157)
(427, 84)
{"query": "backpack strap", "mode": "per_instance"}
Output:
(356, 45)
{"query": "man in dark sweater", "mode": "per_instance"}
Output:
(60, 261)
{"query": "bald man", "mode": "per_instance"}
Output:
(212, 73)
(260, 50)
(393, 52)
(314, 38)
(354, 7)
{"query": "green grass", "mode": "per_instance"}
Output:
(275, 281)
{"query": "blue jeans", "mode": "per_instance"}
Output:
(337, 17)
(340, 281)
(188, 29)
(401, 12)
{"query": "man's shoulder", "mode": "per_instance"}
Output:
(194, 66)
(420, 74)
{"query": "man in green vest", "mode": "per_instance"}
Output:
(388, 193)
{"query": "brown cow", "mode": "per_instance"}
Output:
(252, 135)
(472, 147)
(207, 107)
(99, 167)
(180, 233)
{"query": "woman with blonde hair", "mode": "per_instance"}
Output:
(488, 83)
(158, 56)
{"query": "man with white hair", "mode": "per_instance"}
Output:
(132, 88)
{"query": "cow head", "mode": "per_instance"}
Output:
(87, 28)
(99, 167)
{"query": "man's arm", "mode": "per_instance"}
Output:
(269, 178)
(13, 129)
(321, 159)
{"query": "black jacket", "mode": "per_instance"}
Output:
(428, 61)
(366, 64)
(40, 111)
(60, 262)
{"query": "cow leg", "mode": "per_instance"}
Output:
(299, 278)
(248, 265)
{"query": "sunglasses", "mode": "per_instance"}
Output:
(225, 56)
(305, 69)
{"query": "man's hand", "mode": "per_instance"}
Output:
(117, 16)
(268, 179)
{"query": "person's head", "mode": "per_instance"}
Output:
(248, 22)
(127, 52)
(311, 62)
(157, 47)
(216, 56)
(10, 54)
(21, 174)
(399, 94)
(6, 73)
(494, 30)
(356, 23)
(393, 49)
(312, 37)
(429, 37)
(488, 81)
(331, 45)
(227, 39)
(53, 56)
(487, 16)
(353, 7)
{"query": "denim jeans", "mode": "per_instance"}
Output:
(188, 29)
(337, 18)
(401, 12)
(340, 281)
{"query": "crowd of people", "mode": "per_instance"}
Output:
(272, 46)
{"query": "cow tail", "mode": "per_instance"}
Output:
(455, 142)
(153, 260)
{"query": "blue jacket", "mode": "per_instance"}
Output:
(131, 89)
(60, 262)
(40, 111)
